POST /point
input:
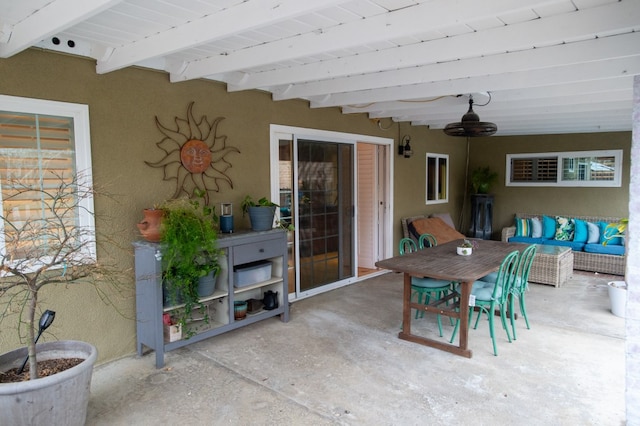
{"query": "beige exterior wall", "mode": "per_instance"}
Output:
(123, 106)
(579, 201)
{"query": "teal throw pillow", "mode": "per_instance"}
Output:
(581, 233)
(565, 228)
(536, 227)
(593, 233)
(607, 233)
(523, 228)
(548, 227)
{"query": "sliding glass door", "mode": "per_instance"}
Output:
(313, 175)
(325, 201)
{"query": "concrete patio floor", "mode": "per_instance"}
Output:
(339, 361)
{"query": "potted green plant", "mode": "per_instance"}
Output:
(465, 248)
(261, 212)
(48, 250)
(189, 253)
(481, 179)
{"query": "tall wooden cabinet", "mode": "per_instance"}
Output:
(240, 249)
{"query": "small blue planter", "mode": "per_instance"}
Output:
(261, 217)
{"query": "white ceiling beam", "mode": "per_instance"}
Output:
(55, 17)
(396, 24)
(546, 93)
(497, 107)
(568, 124)
(615, 17)
(515, 118)
(524, 114)
(231, 21)
(542, 77)
(557, 125)
(545, 57)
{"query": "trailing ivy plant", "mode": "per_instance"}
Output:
(189, 239)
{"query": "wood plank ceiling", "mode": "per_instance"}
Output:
(532, 67)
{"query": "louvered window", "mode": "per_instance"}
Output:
(43, 146)
(534, 169)
(579, 168)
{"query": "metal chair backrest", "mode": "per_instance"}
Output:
(407, 245)
(507, 275)
(427, 240)
(524, 267)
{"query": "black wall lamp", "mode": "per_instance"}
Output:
(404, 148)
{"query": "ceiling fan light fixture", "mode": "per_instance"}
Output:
(470, 125)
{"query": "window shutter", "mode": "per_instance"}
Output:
(35, 151)
(534, 169)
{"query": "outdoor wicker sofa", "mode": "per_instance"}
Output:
(582, 260)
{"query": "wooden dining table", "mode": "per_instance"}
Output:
(442, 262)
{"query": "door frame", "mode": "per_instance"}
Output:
(386, 173)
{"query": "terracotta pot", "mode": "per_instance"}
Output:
(150, 226)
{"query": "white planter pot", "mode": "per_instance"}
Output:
(61, 399)
(464, 251)
(618, 297)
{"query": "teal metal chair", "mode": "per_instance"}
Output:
(491, 296)
(520, 286)
(425, 289)
(427, 240)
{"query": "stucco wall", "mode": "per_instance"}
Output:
(579, 201)
(123, 106)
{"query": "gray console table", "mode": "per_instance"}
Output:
(239, 249)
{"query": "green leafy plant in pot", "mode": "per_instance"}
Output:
(189, 253)
(481, 180)
(261, 214)
(50, 249)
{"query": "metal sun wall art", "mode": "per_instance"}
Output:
(194, 155)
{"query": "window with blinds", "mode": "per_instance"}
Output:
(579, 168)
(40, 158)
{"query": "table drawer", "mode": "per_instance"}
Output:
(251, 252)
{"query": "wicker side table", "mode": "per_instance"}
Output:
(552, 265)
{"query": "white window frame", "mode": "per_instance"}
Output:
(561, 156)
(437, 157)
(82, 148)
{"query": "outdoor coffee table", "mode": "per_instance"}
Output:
(442, 262)
(552, 265)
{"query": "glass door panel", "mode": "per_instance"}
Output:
(325, 212)
(287, 206)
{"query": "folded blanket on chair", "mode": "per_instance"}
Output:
(436, 227)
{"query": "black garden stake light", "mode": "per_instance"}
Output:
(45, 321)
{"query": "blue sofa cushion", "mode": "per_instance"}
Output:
(574, 245)
(536, 227)
(608, 249)
(565, 228)
(523, 227)
(593, 233)
(606, 234)
(528, 240)
(581, 233)
(548, 227)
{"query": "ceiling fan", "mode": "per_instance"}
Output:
(470, 125)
